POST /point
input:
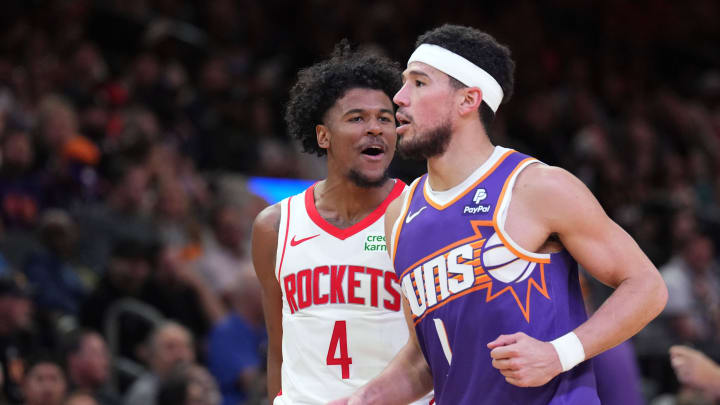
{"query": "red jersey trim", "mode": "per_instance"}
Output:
(343, 234)
(287, 230)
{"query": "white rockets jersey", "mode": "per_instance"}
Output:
(342, 311)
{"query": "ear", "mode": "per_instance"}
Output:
(471, 97)
(323, 136)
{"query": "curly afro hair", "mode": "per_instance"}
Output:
(321, 85)
(481, 49)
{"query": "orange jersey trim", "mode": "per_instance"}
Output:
(441, 207)
(497, 211)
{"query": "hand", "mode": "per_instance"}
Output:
(523, 360)
(693, 368)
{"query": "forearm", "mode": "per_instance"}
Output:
(274, 380)
(404, 380)
(634, 303)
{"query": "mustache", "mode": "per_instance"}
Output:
(401, 114)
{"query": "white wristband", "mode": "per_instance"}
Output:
(570, 350)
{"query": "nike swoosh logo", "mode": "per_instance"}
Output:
(294, 242)
(412, 216)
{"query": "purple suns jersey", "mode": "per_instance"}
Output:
(467, 283)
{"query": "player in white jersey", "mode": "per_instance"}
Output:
(332, 303)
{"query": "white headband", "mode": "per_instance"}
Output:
(461, 69)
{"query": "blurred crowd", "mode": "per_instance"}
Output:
(128, 129)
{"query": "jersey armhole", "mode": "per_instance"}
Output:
(283, 231)
(501, 212)
(407, 198)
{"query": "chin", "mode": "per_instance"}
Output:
(366, 180)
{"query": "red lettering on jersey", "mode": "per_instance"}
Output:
(337, 273)
(374, 274)
(390, 279)
(290, 289)
(317, 298)
(352, 284)
(303, 280)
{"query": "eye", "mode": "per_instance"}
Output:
(355, 119)
(418, 83)
(385, 119)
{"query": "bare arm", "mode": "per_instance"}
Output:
(551, 201)
(610, 255)
(264, 246)
(405, 379)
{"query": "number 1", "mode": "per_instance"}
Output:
(442, 335)
(339, 338)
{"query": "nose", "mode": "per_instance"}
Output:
(374, 128)
(401, 98)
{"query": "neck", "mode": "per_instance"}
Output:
(343, 203)
(468, 149)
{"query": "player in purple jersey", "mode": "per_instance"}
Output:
(486, 246)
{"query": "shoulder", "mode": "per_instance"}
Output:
(268, 220)
(551, 186)
(264, 241)
(546, 179)
(394, 209)
(556, 196)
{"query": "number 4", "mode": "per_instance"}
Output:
(339, 338)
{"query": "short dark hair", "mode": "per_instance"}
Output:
(44, 356)
(73, 341)
(481, 49)
(322, 84)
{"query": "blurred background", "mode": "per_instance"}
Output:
(133, 134)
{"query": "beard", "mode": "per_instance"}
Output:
(364, 181)
(426, 145)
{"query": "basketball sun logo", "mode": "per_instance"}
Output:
(472, 264)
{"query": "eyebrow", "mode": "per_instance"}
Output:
(414, 72)
(362, 110)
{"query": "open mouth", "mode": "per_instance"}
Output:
(373, 150)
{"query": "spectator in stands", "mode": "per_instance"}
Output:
(236, 345)
(123, 217)
(17, 339)
(225, 255)
(69, 158)
(87, 362)
(51, 272)
(21, 189)
(693, 281)
(189, 384)
(127, 274)
(181, 294)
(170, 345)
(44, 382)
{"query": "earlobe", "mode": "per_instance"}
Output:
(471, 99)
(323, 136)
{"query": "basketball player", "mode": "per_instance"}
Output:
(486, 247)
(330, 294)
